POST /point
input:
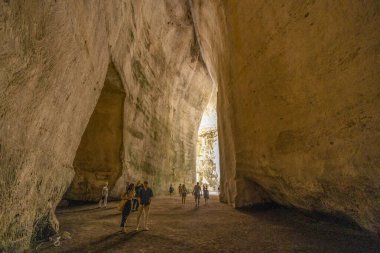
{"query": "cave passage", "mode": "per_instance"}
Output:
(212, 228)
(207, 163)
(98, 158)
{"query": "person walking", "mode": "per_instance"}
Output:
(180, 190)
(206, 194)
(183, 194)
(127, 197)
(197, 194)
(171, 189)
(135, 204)
(104, 198)
(144, 197)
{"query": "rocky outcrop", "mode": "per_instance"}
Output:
(298, 102)
(75, 77)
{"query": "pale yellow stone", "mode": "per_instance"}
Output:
(298, 102)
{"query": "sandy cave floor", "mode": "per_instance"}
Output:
(213, 228)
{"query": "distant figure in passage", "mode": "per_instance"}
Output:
(180, 190)
(197, 194)
(104, 198)
(135, 204)
(206, 193)
(144, 197)
(127, 197)
(183, 194)
(171, 189)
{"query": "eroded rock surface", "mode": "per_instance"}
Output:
(99, 156)
(298, 102)
(54, 62)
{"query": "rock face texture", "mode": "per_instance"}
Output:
(298, 102)
(120, 79)
(99, 155)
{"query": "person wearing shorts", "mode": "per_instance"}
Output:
(180, 190)
(197, 194)
(183, 194)
(144, 197)
(206, 194)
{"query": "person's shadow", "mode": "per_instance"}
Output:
(108, 242)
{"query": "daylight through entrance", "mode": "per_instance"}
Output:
(207, 164)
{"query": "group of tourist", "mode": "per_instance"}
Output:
(197, 193)
(135, 198)
(138, 198)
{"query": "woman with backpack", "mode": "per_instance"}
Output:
(127, 198)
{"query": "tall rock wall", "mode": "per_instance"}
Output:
(98, 159)
(167, 87)
(299, 102)
(54, 62)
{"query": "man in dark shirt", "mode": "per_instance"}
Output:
(144, 197)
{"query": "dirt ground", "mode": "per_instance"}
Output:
(213, 228)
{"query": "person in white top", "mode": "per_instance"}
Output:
(104, 198)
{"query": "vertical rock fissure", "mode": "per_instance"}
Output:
(98, 158)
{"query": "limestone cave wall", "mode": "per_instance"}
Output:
(54, 60)
(98, 159)
(298, 102)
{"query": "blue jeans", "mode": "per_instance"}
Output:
(125, 213)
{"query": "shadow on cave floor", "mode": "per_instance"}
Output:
(307, 216)
(213, 228)
(81, 206)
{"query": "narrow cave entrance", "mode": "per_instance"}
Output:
(98, 159)
(207, 162)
